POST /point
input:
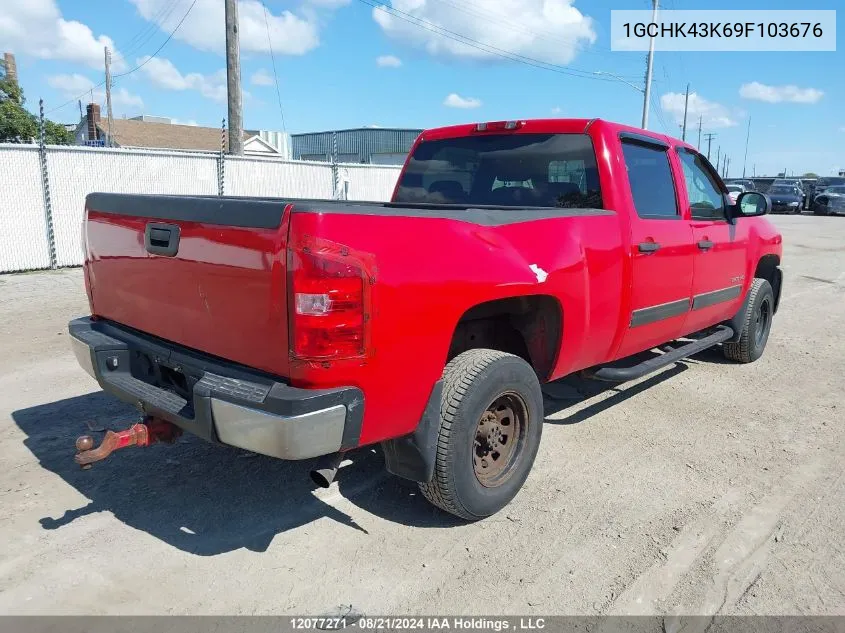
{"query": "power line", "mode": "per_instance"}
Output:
(273, 60)
(487, 48)
(499, 18)
(144, 35)
(158, 50)
(128, 72)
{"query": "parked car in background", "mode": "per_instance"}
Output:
(744, 182)
(794, 182)
(831, 200)
(786, 198)
(829, 181)
(734, 190)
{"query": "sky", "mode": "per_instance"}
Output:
(348, 63)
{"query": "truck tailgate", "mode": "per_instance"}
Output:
(205, 272)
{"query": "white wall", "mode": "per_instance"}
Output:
(74, 172)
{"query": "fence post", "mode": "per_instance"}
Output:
(45, 187)
(335, 169)
(221, 160)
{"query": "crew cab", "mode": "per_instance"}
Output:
(512, 253)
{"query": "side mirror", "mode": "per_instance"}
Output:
(750, 204)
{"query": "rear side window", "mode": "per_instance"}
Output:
(519, 170)
(650, 178)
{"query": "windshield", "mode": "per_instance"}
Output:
(521, 170)
(734, 188)
(824, 183)
(783, 189)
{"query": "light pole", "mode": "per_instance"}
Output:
(620, 79)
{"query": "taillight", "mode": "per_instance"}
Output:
(498, 126)
(330, 296)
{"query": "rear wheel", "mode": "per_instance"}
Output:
(757, 323)
(491, 420)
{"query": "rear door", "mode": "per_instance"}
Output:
(720, 246)
(662, 248)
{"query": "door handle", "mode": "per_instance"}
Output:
(161, 239)
(648, 247)
(705, 245)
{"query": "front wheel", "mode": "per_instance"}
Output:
(491, 420)
(756, 324)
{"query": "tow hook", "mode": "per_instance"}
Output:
(149, 431)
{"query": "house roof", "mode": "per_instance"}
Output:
(128, 133)
(260, 141)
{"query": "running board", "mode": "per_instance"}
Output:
(622, 374)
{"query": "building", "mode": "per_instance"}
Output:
(378, 146)
(155, 132)
(8, 68)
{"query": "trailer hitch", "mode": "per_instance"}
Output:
(149, 431)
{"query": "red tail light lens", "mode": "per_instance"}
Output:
(330, 293)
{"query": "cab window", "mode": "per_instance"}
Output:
(705, 193)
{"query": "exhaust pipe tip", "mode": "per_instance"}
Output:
(325, 473)
(323, 477)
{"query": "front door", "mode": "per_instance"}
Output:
(661, 249)
(720, 249)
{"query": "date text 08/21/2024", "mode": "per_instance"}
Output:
(418, 623)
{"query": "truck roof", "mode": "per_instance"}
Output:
(548, 126)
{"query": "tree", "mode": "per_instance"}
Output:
(810, 174)
(19, 125)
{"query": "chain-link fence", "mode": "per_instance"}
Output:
(33, 225)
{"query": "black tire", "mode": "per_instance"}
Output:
(757, 323)
(472, 383)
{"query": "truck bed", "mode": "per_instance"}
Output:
(223, 290)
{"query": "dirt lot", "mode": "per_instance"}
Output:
(707, 488)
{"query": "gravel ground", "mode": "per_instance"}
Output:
(707, 488)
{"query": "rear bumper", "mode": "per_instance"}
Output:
(214, 399)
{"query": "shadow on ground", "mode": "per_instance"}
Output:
(203, 498)
(209, 499)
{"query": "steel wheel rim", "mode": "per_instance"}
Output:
(499, 438)
(763, 319)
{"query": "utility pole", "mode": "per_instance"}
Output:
(699, 132)
(686, 105)
(649, 65)
(108, 92)
(233, 79)
(747, 136)
(709, 137)
(718, 154)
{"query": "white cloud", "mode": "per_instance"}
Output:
(457, 101)
(37, 28)
(204, 28)
(556, 110)
(72, 85)
(261, 78)
(777, 94)
(713, 115)
(162, 73)
(329, 4)
(549, 30)
(388, 61)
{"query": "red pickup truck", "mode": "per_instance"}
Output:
(512, 253)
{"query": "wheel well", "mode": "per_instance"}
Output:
(529, 327)
(767, 268)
